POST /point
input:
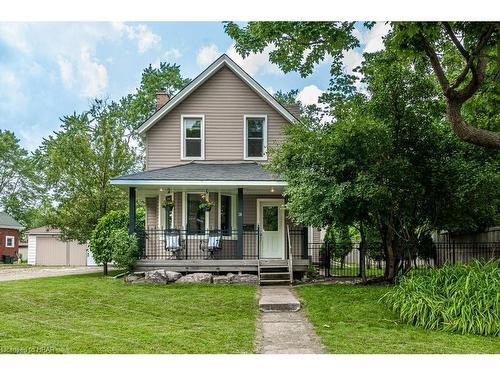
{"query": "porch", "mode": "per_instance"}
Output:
(240, 200)
(234, 253)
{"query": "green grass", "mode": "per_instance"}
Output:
(93, 314)
(350, 319)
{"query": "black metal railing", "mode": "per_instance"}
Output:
(344, 259)
(157, 244)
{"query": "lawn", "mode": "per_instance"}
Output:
(349, 319)
(94, 314)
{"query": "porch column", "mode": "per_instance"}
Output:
(239, 221)
(131, 210)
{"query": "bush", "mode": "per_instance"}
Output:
(101, 244)
(125, 249)
(460, 298)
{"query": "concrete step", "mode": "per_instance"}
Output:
(275, 281)
(277, 298)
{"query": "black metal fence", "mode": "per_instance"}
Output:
(343, 260)
(156, 244)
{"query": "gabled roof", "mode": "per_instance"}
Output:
(222, 61)
(8, 222)
(203, 173)
(44, 230)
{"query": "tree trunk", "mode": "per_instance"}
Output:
(467, 133)
(105, 268)
(391, 255)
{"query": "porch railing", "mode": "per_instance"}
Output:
(153, 245)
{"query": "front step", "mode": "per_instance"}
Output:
(274, 271)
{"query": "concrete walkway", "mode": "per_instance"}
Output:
(282, 327)
(22, 273)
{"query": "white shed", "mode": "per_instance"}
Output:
(46, 248)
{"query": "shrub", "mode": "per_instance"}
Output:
(125, 249)
(459, 298)
(100, 241)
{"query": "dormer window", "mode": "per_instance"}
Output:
(255, 137)
(193, 137)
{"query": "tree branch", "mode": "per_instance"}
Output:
(455, 41)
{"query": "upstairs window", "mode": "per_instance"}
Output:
(193, 146)
(255, 137)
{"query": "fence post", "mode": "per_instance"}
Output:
(453, 250)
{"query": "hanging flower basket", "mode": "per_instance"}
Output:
(205, 205)
(168, 204)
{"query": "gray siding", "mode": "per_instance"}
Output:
(224, 99)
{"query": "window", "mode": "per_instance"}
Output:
(255, 137)
(270, 218)
(193, 146)
(225, 214)
(9, 241)
(196, 218)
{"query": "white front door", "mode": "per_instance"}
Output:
(271, 221)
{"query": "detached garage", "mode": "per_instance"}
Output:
(45, 248)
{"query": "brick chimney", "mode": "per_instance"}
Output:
(161, 98)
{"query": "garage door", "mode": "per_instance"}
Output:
(77, 254)
(50, 251)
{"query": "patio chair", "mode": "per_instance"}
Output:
(212, 244)
(174, 243)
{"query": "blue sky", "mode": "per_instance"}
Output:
(48, 70)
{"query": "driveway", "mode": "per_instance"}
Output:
(21, 273)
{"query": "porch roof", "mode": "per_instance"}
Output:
(204, 173)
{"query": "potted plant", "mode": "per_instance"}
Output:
(168, 203)
(205, 204)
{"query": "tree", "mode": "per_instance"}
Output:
(390, 163)
(21, 187)
(107, 232)
(300, 45)
(79, 161)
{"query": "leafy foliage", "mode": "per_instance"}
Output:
(79, 161)
(125, 249)
(102, 243)
(461, 298)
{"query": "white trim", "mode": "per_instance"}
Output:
(245, 137)
(7, 238)
(202, 135)
(259, 218)
(223, 60)
(197, 183)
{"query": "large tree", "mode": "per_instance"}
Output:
(299, 46)
(79, 161)
(389, 161)
(21, 189)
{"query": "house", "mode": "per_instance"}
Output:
(46, 248)
(9, 237)
(209, 143)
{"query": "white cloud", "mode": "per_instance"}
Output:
(85, 74)
(373, 39)
(172, 54)
(145, 38)
(13, 34)
(11, 96)
(270, 90)
(255, 62)
(309, 95)
(207, 55)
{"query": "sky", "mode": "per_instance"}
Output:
(49, 70)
